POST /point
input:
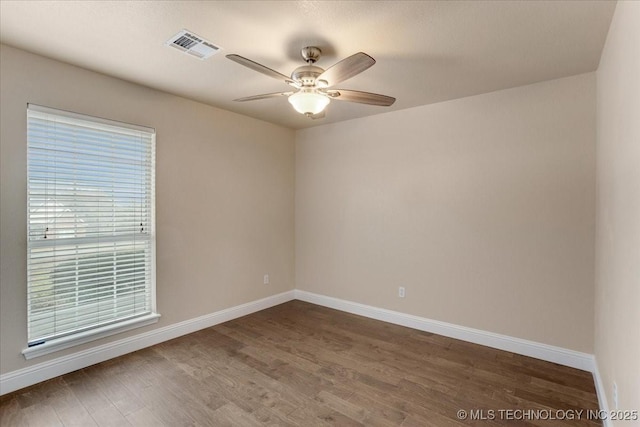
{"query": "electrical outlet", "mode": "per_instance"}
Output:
(615, 395)
(266, 279)
(401, 292)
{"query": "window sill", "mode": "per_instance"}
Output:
(87, 336)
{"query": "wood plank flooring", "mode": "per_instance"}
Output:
(299, 364)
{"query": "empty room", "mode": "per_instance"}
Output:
(301, 213)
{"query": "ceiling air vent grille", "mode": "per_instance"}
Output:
(187, 42)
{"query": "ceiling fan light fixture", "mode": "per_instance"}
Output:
(314, 84)
(308, 102)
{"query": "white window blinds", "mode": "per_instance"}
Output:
(90, 223)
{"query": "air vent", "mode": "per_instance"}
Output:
(187, 42)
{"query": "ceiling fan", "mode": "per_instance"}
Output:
(314, 86)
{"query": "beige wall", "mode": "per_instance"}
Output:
(482, 207)
(224, 194)
(617, 297)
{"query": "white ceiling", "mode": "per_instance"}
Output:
(426, 52)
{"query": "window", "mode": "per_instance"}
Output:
(91, 245)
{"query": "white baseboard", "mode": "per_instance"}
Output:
(562, 356)
(25, 377)
(602, 395)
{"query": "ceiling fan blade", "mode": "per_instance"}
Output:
(264, 96)
(347, 68)
(261, 69)
(361, 97)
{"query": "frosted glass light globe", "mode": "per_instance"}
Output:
(308, 102)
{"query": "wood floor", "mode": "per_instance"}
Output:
(304, 365)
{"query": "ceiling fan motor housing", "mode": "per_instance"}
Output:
(306, 75)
